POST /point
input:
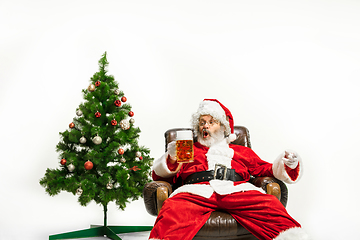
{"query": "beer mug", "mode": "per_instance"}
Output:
(184, 146)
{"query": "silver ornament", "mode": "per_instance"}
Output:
(79, 191)
(97, 140)
(132, 121)
(71, 167)
(82, 140)
(109, 186)
(117, 92)
(124, 124)
(79, 112)
(138, 154)
(122, 160)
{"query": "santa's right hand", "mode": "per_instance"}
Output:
(171, 149)
(291, 159)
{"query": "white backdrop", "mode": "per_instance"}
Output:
(289, 71)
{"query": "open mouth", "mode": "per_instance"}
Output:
(205, 133)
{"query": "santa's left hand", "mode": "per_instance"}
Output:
(291, 159)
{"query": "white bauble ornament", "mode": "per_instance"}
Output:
(122, 160)
(137, 159)
(109, 186)
(132, 121)
(71, 167)
(117, 92)
(138, 154)
(82, 140)
(79, 112)
(79, 191)
(124, 124)
(97, 140)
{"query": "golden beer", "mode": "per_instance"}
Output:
(184, 151)
(184, 147)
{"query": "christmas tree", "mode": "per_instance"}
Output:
(99, 155)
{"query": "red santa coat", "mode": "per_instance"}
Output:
(242, 159)
(246, 163)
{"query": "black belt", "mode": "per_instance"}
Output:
(221, 172)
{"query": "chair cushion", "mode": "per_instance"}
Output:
(221, 225)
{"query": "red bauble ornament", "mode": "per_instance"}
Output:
(88, 165)
(123, 99)
(117, 103)
(97, 83)
(113, 122)
(63, 161)
(121, 151)
(141, 158)
(131, 113)
(97, 114)
(71, 125)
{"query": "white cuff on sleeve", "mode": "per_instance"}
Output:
(161, 169)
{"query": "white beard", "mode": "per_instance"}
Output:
(215, 137)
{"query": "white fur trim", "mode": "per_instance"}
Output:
(198, 189)
(221, 187)
(279, 168)
(219, 153)
(227, 187)
(293, 234)
(161, 169)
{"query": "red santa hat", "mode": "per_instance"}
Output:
(218, 111)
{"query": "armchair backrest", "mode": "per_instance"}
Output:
(242, 136)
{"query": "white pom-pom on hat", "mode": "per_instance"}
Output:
(232, 137)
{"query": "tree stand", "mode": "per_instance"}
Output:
(97, 231)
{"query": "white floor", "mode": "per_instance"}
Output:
(124, 236)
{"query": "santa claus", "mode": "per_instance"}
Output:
(218, 179)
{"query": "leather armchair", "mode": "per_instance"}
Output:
(220, 225)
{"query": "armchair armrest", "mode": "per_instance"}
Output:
(273, 187)
(154, 194)
(162, 193)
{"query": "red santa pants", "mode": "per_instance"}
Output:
(182, 215)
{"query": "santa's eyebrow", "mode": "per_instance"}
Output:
(211, 119)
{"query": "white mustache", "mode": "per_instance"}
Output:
(206, 131)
